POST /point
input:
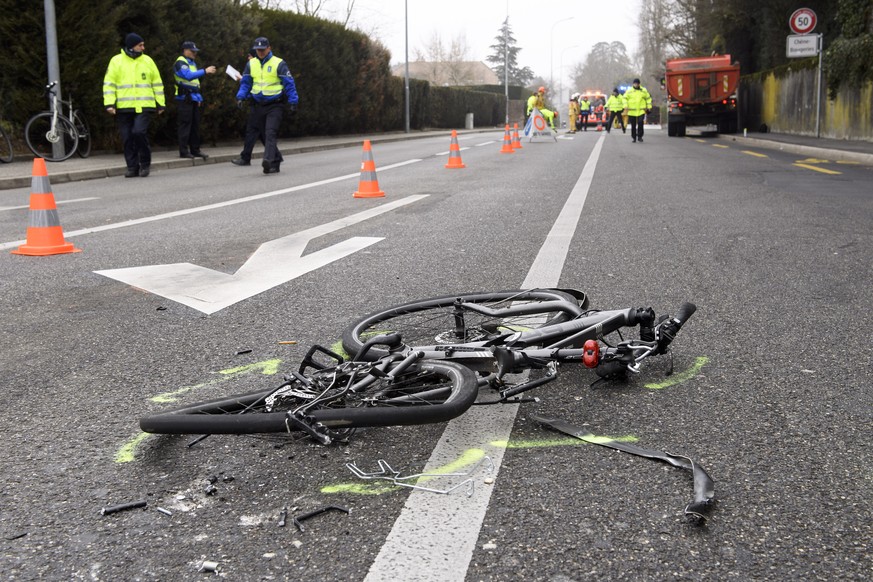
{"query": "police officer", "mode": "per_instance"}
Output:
(267, 81)
(639, 102)
(132, 91)
(615, 105)
(189, 100)
(584, 110)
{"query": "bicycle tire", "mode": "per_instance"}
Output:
(37, 133)
(426, 392)
(83, 130)
(432, 321)
(6, 153)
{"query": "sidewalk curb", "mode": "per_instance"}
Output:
(835, 154)
(118, 168)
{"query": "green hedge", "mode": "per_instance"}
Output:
(342, 76)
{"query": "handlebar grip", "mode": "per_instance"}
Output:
(685, 311)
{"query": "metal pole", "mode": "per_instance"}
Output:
(54, 69)
(818, 89)
(406, 79)
(506, 61)
(552, 53)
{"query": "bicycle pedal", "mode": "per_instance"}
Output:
(315, 430)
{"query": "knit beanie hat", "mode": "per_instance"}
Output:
(131, 40)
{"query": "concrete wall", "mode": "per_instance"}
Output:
(786, 104)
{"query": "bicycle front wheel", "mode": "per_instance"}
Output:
(55, 145)
(5, 147)
(83, 130)
(425, 392)
(441, 321)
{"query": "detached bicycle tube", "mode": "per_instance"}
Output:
(704, 487)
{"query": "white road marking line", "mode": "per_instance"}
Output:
(144, 220)
(27, 207)
(434, 537)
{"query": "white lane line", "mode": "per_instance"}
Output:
(434, 537)
(26, 207)
(144, 220)
(484, 143)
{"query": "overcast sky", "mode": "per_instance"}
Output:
(545, 38)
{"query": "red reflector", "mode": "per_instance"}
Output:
(724, 101)
(591, 355)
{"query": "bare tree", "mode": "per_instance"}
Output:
(653, 53)
(446, 66)
(605, 66)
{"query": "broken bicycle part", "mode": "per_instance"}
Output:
(123, 507)
(298, 518)
(704, 487)
(386, 473)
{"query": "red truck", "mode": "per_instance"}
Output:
(702, 91)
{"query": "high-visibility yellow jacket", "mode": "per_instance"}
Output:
(535, 100)
(584, 107)
(267, 81)
(615, 103)
(187, 77)
(133, 83)
(638, 101)
(574, 109)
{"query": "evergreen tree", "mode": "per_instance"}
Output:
(506, 55)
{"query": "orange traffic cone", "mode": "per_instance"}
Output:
(516, 143)
(368, 186)
(507, 142)
(44, 233)
(600, 122)
(455, 153)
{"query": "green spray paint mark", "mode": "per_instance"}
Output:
(468, 458)
(682, 376)
(563, 442)
(127, 453)
(267, 367)
(360, 488)
(339, 350)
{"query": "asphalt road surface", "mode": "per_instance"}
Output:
(771, 392)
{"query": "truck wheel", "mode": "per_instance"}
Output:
(671, 129)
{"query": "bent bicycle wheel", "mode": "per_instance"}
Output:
(55, 145)
(5, 147)
(441, 321)
(84, 131)
(425, 392)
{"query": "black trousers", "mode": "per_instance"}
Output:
(584, 121)
(264, 122)
(636, 125)
(188, 117)
(612, 116)
(134, 129)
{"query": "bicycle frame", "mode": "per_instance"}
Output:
(544, 347)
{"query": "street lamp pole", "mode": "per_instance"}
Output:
(561, 73)
(552, 51)
(406, 76)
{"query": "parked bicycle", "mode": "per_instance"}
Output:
(5, 145)
(54, 136)
(426, 361)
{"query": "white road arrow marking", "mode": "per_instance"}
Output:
(273, 263)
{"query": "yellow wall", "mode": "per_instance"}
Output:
(787, 105)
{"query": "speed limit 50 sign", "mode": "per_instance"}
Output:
(802, 21)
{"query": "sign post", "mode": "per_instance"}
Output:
(803, 44)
